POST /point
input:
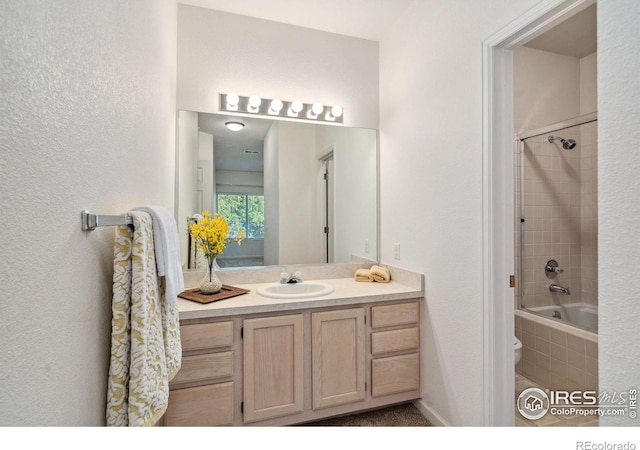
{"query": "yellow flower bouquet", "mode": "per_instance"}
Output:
(211, 235)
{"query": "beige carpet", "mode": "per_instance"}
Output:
(405, 415)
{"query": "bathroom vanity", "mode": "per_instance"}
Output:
(252, 360)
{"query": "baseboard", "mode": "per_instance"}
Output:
(433, 417)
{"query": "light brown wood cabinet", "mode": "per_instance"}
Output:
(202, 392)
(292, 367)
(273, 367)
(338, 357)
(209, 405)
(395, 344)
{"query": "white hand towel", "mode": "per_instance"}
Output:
(167, 248)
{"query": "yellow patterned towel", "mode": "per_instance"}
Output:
(380, 274)
(144, 354)
(363, 275)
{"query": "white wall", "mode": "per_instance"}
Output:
(589, 83)
(431, 184)
(271, 196)
(207, 164)
(618, 198)
(546, 88)
(297, 215)
(238, 181)
(220, 52)
(87, 121)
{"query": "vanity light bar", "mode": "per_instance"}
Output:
(253, 104)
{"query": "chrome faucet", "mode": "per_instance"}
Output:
(560, 289)
(288, 278)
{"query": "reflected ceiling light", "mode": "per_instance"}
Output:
(275, 106)
(232, 101)
(234, 126)
(334, 113)
(315, 111)
(254, 103)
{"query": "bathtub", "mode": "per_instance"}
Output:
(579, 314)
(556, 353)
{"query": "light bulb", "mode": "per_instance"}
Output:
(254, 103)
(316, 109)
(295, 108)
(232, 101)
(333, 113)
(276, 106)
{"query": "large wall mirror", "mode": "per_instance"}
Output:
(304, 193)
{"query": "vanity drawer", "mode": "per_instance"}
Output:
(392, 315)
(204, 336)
(207, 367)
(201, 406)
(395, 374)
(394, 341)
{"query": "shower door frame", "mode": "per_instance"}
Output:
(498, 209)
(558, 126)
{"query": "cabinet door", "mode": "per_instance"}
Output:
(395, 374)
(208, 406)
(338, 357)
(273, 367)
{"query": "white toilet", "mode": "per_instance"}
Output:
(517, 347)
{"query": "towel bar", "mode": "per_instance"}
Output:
(91, 221)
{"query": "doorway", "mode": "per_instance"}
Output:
(498, 200)
(327, 205)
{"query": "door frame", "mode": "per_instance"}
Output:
(326, 204)
(498, 200)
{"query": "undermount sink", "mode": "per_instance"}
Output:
(295, 290)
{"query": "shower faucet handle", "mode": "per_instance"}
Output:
(551, 269)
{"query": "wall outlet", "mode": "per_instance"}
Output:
(366, 245)
(396, 250)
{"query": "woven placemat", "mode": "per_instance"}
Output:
(226, 292)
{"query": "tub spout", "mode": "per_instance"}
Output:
(560, 289)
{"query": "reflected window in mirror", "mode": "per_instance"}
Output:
(243, 212)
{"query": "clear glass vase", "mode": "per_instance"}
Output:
(211, 284)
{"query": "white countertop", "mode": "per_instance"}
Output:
(346, 291)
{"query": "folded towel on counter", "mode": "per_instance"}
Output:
(144, 327)
(380, 274)
(363, 275)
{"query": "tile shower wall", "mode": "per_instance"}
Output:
(552, 214)
(555, 358)
(560, 196)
